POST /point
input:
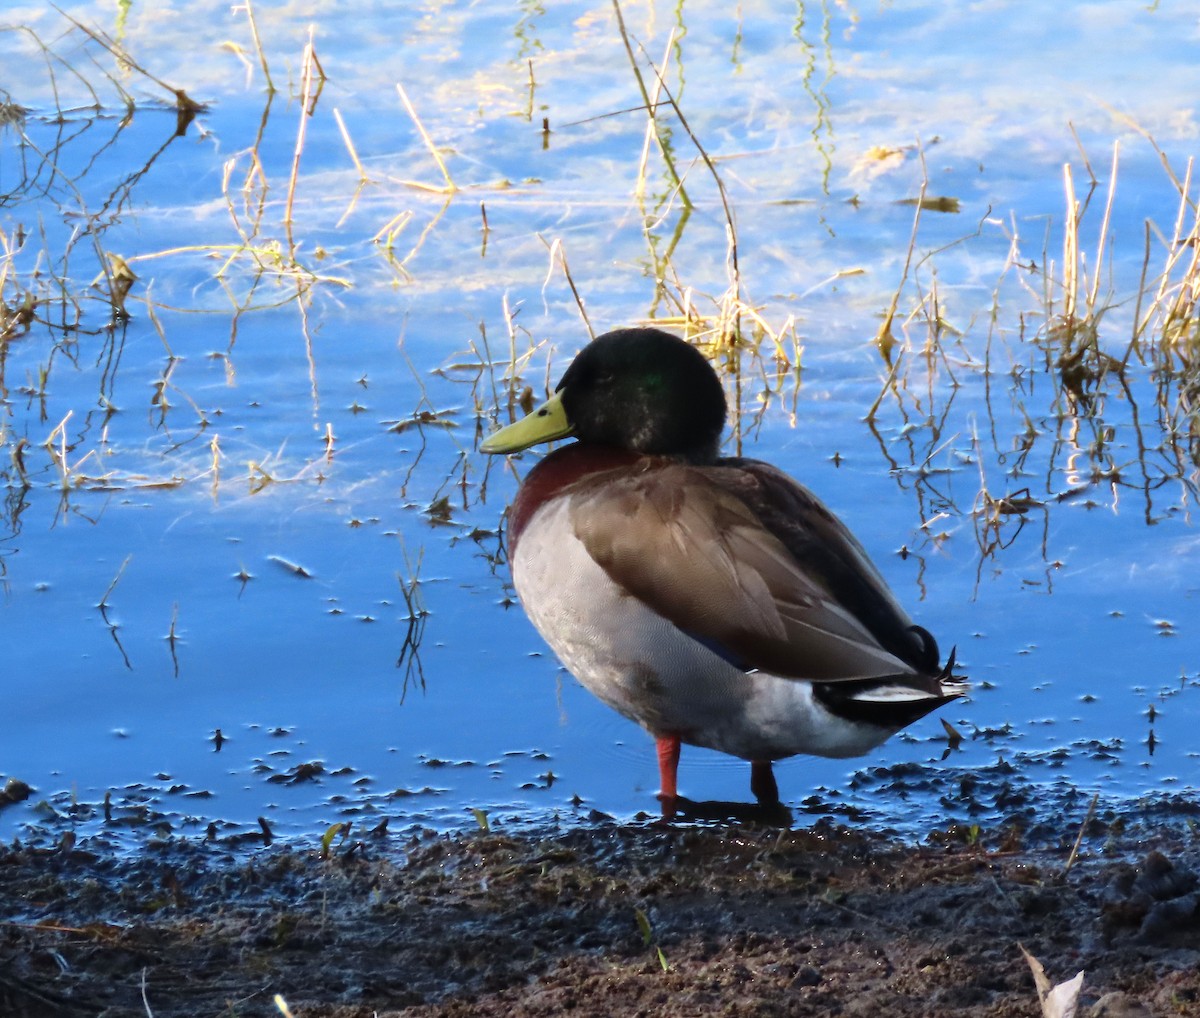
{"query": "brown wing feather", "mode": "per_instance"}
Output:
(828, 551)
(680, 540)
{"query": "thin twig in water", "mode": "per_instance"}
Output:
(1087, 165)
(116, 579)
(612, 113)
(1141, 292)
(173, 638)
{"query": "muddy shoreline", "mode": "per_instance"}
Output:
(612, 919)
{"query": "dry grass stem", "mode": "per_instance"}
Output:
(558, 256)
(248, 7)
(885, 340)
(730, 333)
(650, 107)
(652, 134)
(308, 104)
(450, 187)
(363, 178)
(1102, 242)
(1070, 262)
(349, 143)
(518, 360)
(214, 448)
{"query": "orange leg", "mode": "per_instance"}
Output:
(668, 765)
(762, 783)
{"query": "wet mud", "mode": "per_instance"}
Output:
(653, 918)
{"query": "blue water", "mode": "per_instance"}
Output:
(1072, 628)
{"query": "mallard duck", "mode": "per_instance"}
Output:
(713, 600)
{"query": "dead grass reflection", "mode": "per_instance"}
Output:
(1082, 400)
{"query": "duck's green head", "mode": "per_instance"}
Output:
(638, 389)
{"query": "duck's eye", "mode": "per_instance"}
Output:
(543, 412)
